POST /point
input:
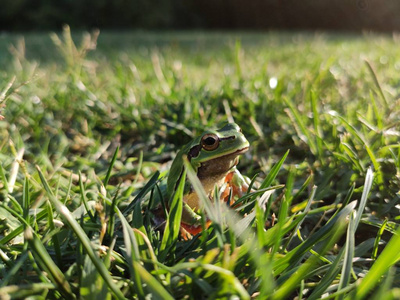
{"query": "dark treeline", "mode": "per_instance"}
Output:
(355, 15)
(48, 14)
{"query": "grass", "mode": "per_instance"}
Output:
(91, 124)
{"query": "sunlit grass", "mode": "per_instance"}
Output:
(90, 127)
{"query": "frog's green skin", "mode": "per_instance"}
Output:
(213, 155)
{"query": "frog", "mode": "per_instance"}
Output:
(213, 155)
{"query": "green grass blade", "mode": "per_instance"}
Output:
(282, 216)
(389, 256)
(374, 254)
(4, 179)
(173, 224)
(80, 233)
(385, 288)
(316, 119)
(131, 253)
(48, 264)
(226, 274)
(109, 171)
(329, 277)
(26, 200)
(303, 188)
(55, 239)
(23, 291)
(84, 199)
(348, 255)
(304, 270)
(14, 270)
(139, 168)
(15, 214)
(377, 84)
(297, 253)
(92, 286)
(156, 289)
(369, 178)
(197, 186)
(353, 156)
(300, 126)
(15, 204)
(111, 218)
(367, 147)
(377, 113)
(306, 210)
(273, 172)
(40, 216)
(147, 188)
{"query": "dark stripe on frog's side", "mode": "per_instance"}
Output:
(194, 152)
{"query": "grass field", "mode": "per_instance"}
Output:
(90, 128)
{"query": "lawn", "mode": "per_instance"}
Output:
(90, 125)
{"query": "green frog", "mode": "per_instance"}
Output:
(213, 156)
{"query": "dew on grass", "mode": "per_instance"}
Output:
(35, 99)
(384, 60)
(273, 82)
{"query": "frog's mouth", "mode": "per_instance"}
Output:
(241, 151)
(220, 165)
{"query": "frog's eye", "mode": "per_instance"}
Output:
(210, 142)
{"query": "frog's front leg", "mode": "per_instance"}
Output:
(191, 223)
(240, 181)
(238, 185)
(189, 217)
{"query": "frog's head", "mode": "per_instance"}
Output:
(213, 153)
(217, 151)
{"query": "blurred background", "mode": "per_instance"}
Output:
(343, 15)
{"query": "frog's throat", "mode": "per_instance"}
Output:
(219, 166)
